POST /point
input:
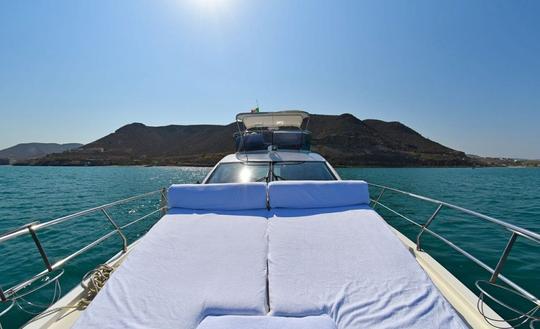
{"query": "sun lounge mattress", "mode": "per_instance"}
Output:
(348, 264)
(191, 264)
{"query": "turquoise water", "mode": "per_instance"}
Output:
(43, 193)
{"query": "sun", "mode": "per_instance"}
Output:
(211, 4)
(210, 8)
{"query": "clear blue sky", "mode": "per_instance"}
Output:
(463, 73)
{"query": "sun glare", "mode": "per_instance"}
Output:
(211, 4)
(245, 175)
(209, 8)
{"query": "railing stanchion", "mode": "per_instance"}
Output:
(40, 248)
(418, 246)
(503, 258)
(376, 202)
(124, 239)
(163, 201)
(2, 295)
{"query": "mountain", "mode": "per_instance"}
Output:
(348, 141)
(28, 151)
(343, 139)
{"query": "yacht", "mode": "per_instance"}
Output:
(273, 238)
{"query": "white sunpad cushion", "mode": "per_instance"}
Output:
(267, 322)
(317, 194)
(233, 196)
(349, 264)
(187, 267)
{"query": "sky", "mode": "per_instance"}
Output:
(463, 73)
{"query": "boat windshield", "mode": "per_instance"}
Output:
(266, 171)
(240, 172)
(301, 171)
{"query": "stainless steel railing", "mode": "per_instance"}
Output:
(495, 273)
(32, 229)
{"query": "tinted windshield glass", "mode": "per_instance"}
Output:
(239, 173)
(302, 171)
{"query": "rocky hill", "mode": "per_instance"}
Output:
(28, 151)
(343, 139)
(346, 140)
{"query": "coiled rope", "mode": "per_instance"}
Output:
(95, 278)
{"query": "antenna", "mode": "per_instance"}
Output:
(256, 109)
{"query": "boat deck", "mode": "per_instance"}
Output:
(343, 262)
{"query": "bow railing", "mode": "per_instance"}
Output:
(495, 272)
(53, 270)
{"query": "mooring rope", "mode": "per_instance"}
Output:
(96, 280)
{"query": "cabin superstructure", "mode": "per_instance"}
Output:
(284, 130)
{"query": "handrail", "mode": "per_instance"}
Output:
(14, 233)
(10, 294)
(519, 230)
(495, 272)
